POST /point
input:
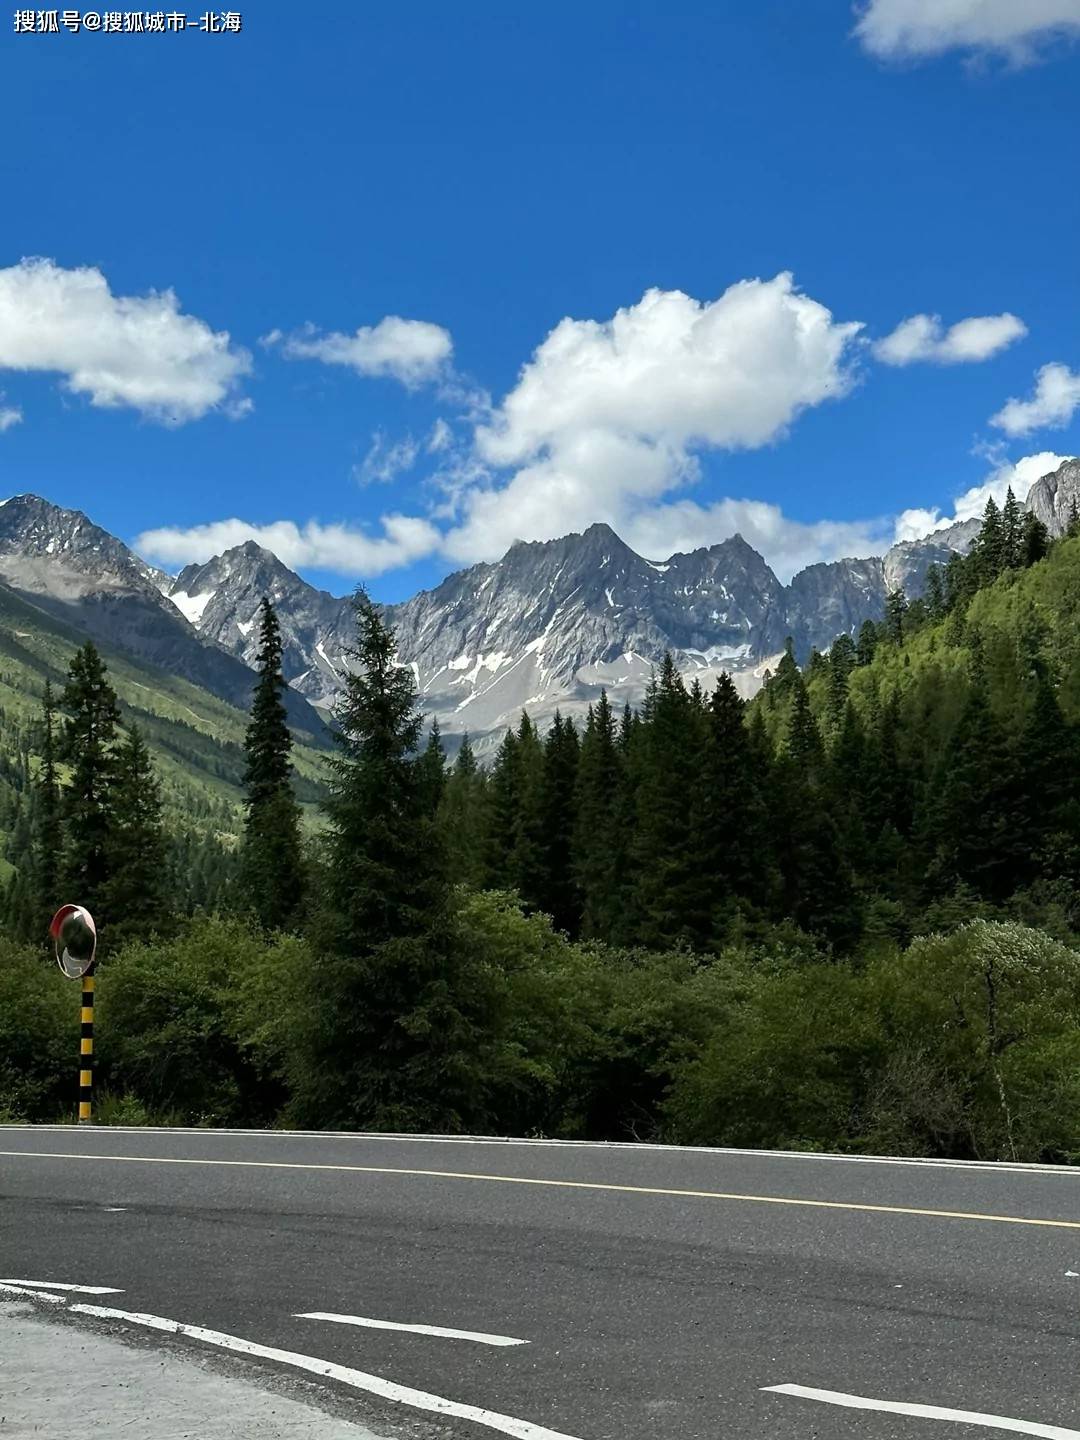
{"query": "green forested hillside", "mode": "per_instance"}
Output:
(195, 739)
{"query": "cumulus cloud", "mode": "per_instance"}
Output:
(138, 351)
(918, 29)
(412, 351)
(343, 549)
(1016, 475)
(922, 337)
(1052, 406)
(609, 416)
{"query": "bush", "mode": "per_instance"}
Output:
(39, 1036)
(185, 1028)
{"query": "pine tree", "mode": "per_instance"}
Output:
(1034, 540)
(842, 661)
(1012, 532)
(599, 847)
(387, 1027)
(935, 593)
(867, 642)
(989, 551)
(463, 817)
(47, 840)
(87, 745)
(271, 858)
(896, 608)
(559, 895)
(669, 890)
(730, 829)
(433, 768)
(137, 901)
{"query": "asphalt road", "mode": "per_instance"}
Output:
(660, 1292)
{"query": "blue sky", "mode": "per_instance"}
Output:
(487, 172)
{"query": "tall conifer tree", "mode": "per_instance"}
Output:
(87, 745)
(271, 859)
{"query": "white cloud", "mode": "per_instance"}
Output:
(139, 351)
(608, 416)
(441, 437)
(412, 351)
(1016, 475)
(9, 415)
(384, 462)
(916, 29)
(921, 337)
(343, 549)
(1055, 401)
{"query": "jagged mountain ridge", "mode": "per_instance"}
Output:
(545, 627)
(78, 572)
(552, 622)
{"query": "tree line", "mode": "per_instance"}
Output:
(697, 920)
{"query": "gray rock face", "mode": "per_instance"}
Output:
(86, 576)
(1053, 497)
(545, 627)
(906, 565)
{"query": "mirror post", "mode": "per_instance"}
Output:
(86, 1050)
(74, 934)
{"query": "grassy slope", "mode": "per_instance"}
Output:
(195, 738)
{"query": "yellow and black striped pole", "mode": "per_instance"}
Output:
(86, 1051)
(75, 936)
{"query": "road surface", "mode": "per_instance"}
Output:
(650, 1292)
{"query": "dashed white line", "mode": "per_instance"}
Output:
(439, 1330)
(58, 1285)
(343, 1374)
(927, 1412)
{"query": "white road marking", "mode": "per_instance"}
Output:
(439, 1330)
(7, 1289)
(927, 1412)
(985, 1167)
(343, 1374)
(57, 1285)
(537, 1181)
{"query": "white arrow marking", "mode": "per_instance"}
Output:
(477, 1335)
(343, 1374)
(927, 1412)
(56, 1285)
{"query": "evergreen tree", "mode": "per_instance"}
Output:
(271, 858)
(559, 896)
(137, 899)
(463, 817)
(1034, 540)
(989, 552)
(87, 745)
(867, 642)
(48, 840)
(842, 661)
(386, 1029)
(730, 829)
(670, 892)
(599, 847)
(1012, 532)
(935, 593)
(896, 608)
(433, 768)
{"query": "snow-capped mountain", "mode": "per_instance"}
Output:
(545, 627)
(76, 570)
(553, 622)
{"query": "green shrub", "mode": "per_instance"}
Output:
(39, 1036)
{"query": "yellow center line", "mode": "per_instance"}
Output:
(597, 1185)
